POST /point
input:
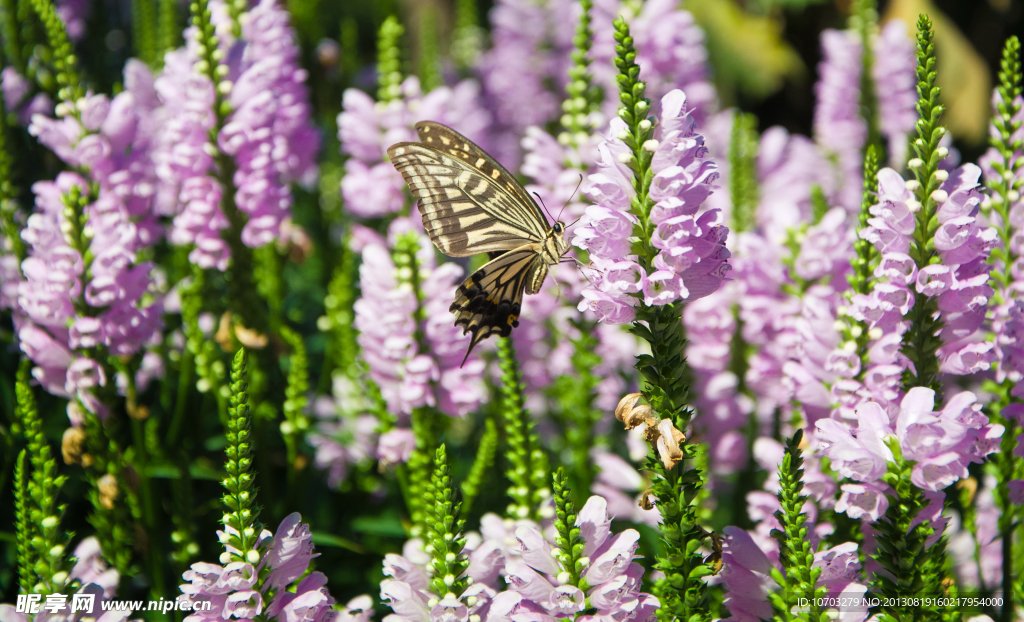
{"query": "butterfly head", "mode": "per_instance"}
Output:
(558, 228)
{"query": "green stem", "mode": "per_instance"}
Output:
(485, 452)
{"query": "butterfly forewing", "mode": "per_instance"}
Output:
(464, 212)
(451, 142)
(489, 301)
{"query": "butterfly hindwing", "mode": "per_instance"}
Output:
(489, 301)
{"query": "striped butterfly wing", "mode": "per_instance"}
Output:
(469, 203)
(489, 301)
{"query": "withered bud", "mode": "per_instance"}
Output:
(625, 406)
(223, 334)
(295, 241)
(632, 415)
(647, 499)
(668, 443)
(72, 445)
(108, 490)
(252, 339)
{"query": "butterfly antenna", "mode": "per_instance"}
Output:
(544, 206)
(578, 184)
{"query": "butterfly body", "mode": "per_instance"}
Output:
(470, 204)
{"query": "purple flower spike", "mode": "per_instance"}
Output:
(690, 263)
(410, 372)
(74, 311)
(838, 126)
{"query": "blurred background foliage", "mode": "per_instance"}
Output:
(763, 53)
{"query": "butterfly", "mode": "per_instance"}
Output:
(470, 204)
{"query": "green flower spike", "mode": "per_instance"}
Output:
(445, 539)
(389, 60)
(795, 552)
(240, 495)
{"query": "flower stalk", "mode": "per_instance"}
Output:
(47, 540)
(682, 592)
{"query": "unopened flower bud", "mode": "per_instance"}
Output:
(915, 163)
(941, 175)
(912, 185)
(108, 490)
(940, 196)
(253, 557)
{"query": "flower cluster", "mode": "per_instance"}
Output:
(405, 331)
(839, 127)
(959, 281)
(259, 586)
(690, 263)
(85, 291)
(269, 134)
(941, 444)
(531, 49)
(344, 435)
(187, 189)
(408, 590)
(610, 580)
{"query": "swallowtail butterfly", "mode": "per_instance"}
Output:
(470, 204)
